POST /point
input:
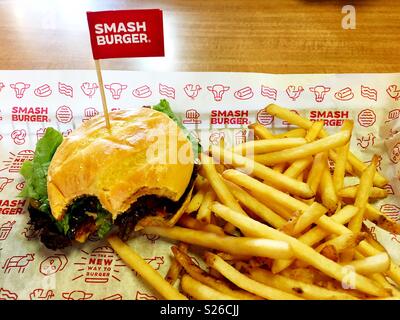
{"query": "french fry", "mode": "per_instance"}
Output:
(308, 217)
(354, 164)
(314, 176)
(256, 206)
(260, 131)
(234, 245)
(299, 288)
(327, 190)
(200, 291)
(281, 210)
(204, 213)
(193, 223)
(175, 267)
(279, 167)
(245, 282)
(264, 146)
(294, 133)
(196, 200)
(351, 191)
(181, 211)
(269, 176)
(151, 276)
(373, 264)
(309, 149)
(316, 234)
(298, 167)
(197, 273)
(377, 217)
(300, 250)
(332, 248)
(363, 192)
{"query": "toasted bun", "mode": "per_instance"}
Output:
(145, 153)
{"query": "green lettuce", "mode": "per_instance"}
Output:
(164, 107)
(35, 171)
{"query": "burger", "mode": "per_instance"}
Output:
(97, 179)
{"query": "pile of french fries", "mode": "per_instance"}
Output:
(274, 218)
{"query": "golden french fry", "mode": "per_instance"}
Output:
(373, 264)
(314, 176)
(204, 213)
(218, 185)
(334, 247)
(294, 133)
(235, 245)
(193, 223)
(351, 191)
(200, 275)
(181, 211)
(298, 167)
(300, 250)
(299, 288)
(308, 217)
(196, 200)
(151, 276)
(377, 217)
(200, 291)
(173, 272)
(269, 176)
(245, 282)
(256, 206)
(362, 196)
(353, 162)
(309, 149)
(279, 167)
(264, 146)
(327, 190)
(260, 131)
(314, 131)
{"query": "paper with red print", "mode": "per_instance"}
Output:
(212, 105)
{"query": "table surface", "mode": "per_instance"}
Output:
(288, 36)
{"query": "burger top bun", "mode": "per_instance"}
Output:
(145, 153)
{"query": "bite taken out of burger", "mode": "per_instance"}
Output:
(97, 179)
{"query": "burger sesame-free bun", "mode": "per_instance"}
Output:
(145, 153)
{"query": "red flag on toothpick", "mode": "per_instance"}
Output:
(124, 34)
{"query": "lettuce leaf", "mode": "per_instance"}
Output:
(35, 171)
(164, 107)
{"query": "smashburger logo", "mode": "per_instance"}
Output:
(121, 33)
(11, 207)
(240, 117)
(330, 118)
(30, 114)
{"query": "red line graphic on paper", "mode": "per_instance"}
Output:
(155, 262)
(43, 91)
(395, 154)
(53, 264)
(19, 88)
(5, 229)
(142, 92)
(89, 113)
(245, 93)
(366, 118)
(218, 91)
(89, 89)
(116, 89)
(144, 296)
(167, 91)
(116, 296)
(393, 92)
(15, 161)
(65, 89)
(294, 92)
(18, 262)
(41, 294)
(4, 181)
(30, 232)
(388, 188)
(20, 186)
(77, 295)
(192, 117)
(393, 115)
(240, 136)
(64, 114)
(365, 141)
(1, 86)
(40, 133)
(319, 92)
(192, 90)
(268, 92)
(264, 117)
(391, 210)
(7, 295)
(344, 94)
(369, 93)
(18, 136)
(215, 137)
